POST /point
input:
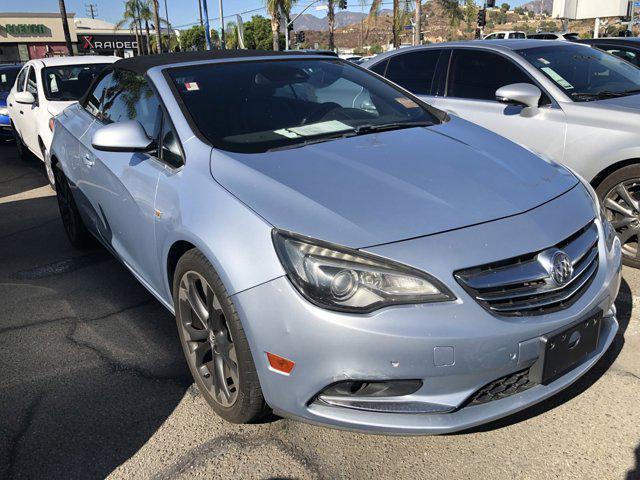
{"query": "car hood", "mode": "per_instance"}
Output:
(629, 103)
(54, 108)
(385, 187)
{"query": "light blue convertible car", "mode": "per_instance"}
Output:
(334, 249)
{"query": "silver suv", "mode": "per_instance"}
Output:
(566, 102)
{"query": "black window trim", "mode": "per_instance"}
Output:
(436, 72)
(552, 101)
(26, 81)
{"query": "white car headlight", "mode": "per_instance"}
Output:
(339, 278)
(4, 111)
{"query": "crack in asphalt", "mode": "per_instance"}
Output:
(14, 449)
(36, 324)
(219, 445)
(115, 365)
(623, 372)
(62, 266)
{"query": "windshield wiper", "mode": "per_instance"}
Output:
(369, 128)
(312, 141)
(603, 94)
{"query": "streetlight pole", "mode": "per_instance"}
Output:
(286, 36)
(207, 33)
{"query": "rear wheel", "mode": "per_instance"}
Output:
(214, 342)
(74, 226)
(620, 195)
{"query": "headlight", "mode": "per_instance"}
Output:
(4, 111)
(339, 278)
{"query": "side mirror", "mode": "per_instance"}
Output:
(126, 136)
(25, 97)
(522, 94)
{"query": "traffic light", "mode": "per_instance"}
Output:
(300, 37)
(289, 24)
(491, 3)
(342, 4)
(482, 17)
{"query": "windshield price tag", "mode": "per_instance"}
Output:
(557, 78)
(191, 86)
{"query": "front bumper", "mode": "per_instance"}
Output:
(5, 125)
(455, 348)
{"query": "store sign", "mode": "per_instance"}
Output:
(107, 42)
(26, 29)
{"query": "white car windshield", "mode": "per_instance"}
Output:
(256, 106)
(585, 73)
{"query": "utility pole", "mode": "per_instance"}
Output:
(396, 36)
(65, 27)
(91, 9)
(200, 12)
(222, 43)
(207, 32)
(417, 27)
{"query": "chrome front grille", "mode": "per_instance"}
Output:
(525, 285)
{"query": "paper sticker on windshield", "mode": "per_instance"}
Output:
(407, 102)
(3, 78)
(191, 86)
(314, 129)
(557, 78)
(544, 60)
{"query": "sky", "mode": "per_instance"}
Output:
(182, 13)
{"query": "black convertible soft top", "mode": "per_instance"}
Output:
(144, 62)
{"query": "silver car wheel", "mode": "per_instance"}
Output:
(622, 205)
(210, 347)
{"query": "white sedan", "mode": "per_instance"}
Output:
(43, 89)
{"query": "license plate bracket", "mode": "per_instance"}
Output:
(562, 350)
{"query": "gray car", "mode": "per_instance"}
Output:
(334, 249)
(564, 101)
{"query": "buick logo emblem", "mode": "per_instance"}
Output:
(561, 268)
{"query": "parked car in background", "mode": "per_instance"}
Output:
(505, 35)
(566, 102)
(42, 90)
(627, 48)
(335, 249)
(553, 36)
(8, 74)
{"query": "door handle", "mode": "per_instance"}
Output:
(88, 161)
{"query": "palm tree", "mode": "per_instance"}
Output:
(156, 17)
(395, 21)
(276, 10)
(131, 19)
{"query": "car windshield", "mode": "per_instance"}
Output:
(8, 78)
(69, 82)
(256, 106)
(585, 73)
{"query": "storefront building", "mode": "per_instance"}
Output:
(24, 36)
(97, 37)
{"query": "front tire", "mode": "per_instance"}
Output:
(74, 226)
(23, 151)
(620, 195)
(214, 342)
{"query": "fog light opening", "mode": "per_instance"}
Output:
(361, 388)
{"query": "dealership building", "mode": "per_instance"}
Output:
(25, 36)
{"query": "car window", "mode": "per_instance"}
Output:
(21, 78)
(584, 73)
(256, 106)
(32, 85)
(94, 99)
(129, 97)
(380, 68)
(623, 53)
(8, 78)
(414, 71)
(499, 35)
(170, 151)
(477, 75)
(518, 35)
(69, 82)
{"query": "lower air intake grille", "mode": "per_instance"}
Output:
(502, 388)
(537, 283)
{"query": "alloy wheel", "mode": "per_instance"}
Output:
(211, 352)
(622, 205)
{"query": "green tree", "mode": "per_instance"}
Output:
(257, 34)
(452, 11)
(470, 14)
(519, 10)
(530, 14)
(276, 10)
(505, 7)
(193, 38)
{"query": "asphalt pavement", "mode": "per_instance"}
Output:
(93, 384)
